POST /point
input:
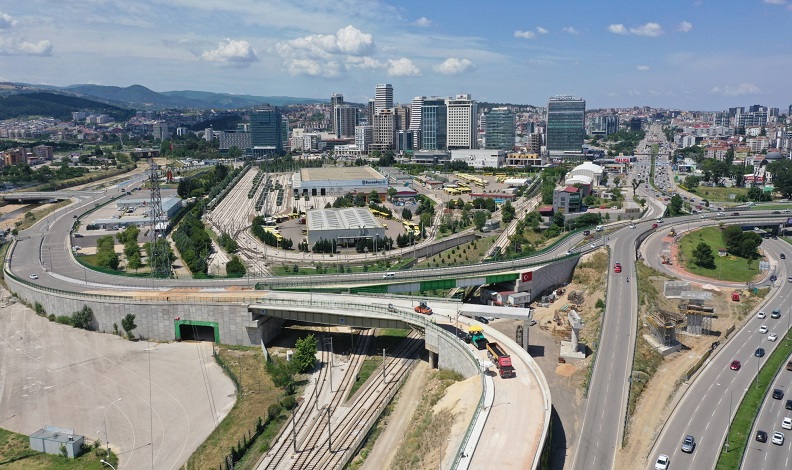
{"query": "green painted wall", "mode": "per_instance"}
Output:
(502, 277)
(215, 325)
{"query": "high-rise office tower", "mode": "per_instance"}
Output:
(611, 124)
(345, 118)
(415, 120)
(336, 100)
(461, 124)
(402, 117)
(499, 129)
(383, 97)
(364, 136)
(266, 130)
(566, 118)
(434, 127)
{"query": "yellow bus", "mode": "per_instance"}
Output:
(463, 189)
(453, 191)
(377, 213)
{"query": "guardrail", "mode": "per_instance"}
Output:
(407, 317)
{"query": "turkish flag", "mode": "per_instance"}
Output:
(526, 277)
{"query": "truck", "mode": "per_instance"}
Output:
(423, 308)
(476, 337)
(501, 360)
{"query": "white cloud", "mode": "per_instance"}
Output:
(617, 29)
(352, 41)
(19, 46)
(642, 68)
(231, 52)
(570, 30)
(525, 34)
(348, 47)
(634, 93)
(453, 66)
(541, 30)
(423, 21)
(684, 27)
(741, 89)
(402, 68)
(6, 21)
(649, 29)
(364, 63)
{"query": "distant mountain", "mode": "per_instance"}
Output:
(57, 105)
(140, 97)
(227, 101)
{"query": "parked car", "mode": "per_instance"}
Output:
(688, 444)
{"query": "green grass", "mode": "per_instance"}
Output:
(717, 194)
(727, 268)
(740, 428)
(16, 454)
(387, 338)
(331, 268)
(461, 255)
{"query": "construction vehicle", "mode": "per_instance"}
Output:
(423, 308)
(476, 337)
(501, 360)
(672, 233)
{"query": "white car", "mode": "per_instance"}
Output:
(786, 423)
(763, 329)
(34, 276)
(772, 337)
(632, 225)
(761, 314)
(663, 461)
(778, 438)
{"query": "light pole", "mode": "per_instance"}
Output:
(104, 418)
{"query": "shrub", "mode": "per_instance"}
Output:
(40, 310)
(64, 319)
(51, 317)
(288, 402)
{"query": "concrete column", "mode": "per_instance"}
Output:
(433, 360)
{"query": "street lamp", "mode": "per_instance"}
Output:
(104, 418)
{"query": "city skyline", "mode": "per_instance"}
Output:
(691, 54)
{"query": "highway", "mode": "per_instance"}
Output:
(766, 455)
(712, 397)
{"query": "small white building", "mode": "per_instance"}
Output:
(50, 439)
(480, 158)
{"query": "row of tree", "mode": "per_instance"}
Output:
(193, 243)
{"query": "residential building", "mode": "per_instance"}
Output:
(364, 136)
(160, 130)
(751, 119)
(499, 129)
(566, 117)
(415, 120)
(402, 117)
(384, 130)
(43, 152)
(462, 112)
(238, 139)
(336, 99)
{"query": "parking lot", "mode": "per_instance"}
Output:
(56, 375)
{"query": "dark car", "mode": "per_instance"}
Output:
(788, 405)
(482, 320)
(778, 393)
(761, 436)
(735, 213)
(759, 352)
(776, 212)
(783, 256)
(587, 232)
(776, 313)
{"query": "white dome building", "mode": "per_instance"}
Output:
(578, 179)
(591, 170)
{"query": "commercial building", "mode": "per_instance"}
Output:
(383, 97)
(336, 181)
(567, 200)
(499, 129)
(345, 118)
(267, 131)
(523, 160)
(238, 139)
(384, 130)
(336, 99)
(137, 211)
(589, 170)
(481, 158)
(434, 125)
(346, 226)
(364, 136)
(566, 117)
(462, 113)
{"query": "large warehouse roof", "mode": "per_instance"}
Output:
(339, 174)
(341, 219)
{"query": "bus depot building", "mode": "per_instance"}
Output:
(345, 226)
(337, 181)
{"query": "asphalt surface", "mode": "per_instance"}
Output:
(708, 404)
(769, 456)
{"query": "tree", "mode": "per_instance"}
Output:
(128, 324)
(507, 212)
(235, 267)
(83, 318)
(692, 182)
(392, 192)
(558, 219)
(782, 176)
(305, 354)
(675, 206)
(732, 238)
(282, 373)
(703, 256)
(407, 214)
(479, 219)
(134, 261)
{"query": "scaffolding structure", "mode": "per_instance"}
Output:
(663, 325)
(698, 317)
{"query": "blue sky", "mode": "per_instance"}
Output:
(688, 54)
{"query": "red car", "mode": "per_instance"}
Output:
(654, 225)
(735, 365)
(617, 268)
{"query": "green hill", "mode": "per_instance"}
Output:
(55, 105)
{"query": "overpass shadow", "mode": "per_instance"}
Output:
(558, 442)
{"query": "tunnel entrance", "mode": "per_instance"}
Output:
(197, 331)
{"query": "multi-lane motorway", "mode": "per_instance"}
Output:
(766, 455)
